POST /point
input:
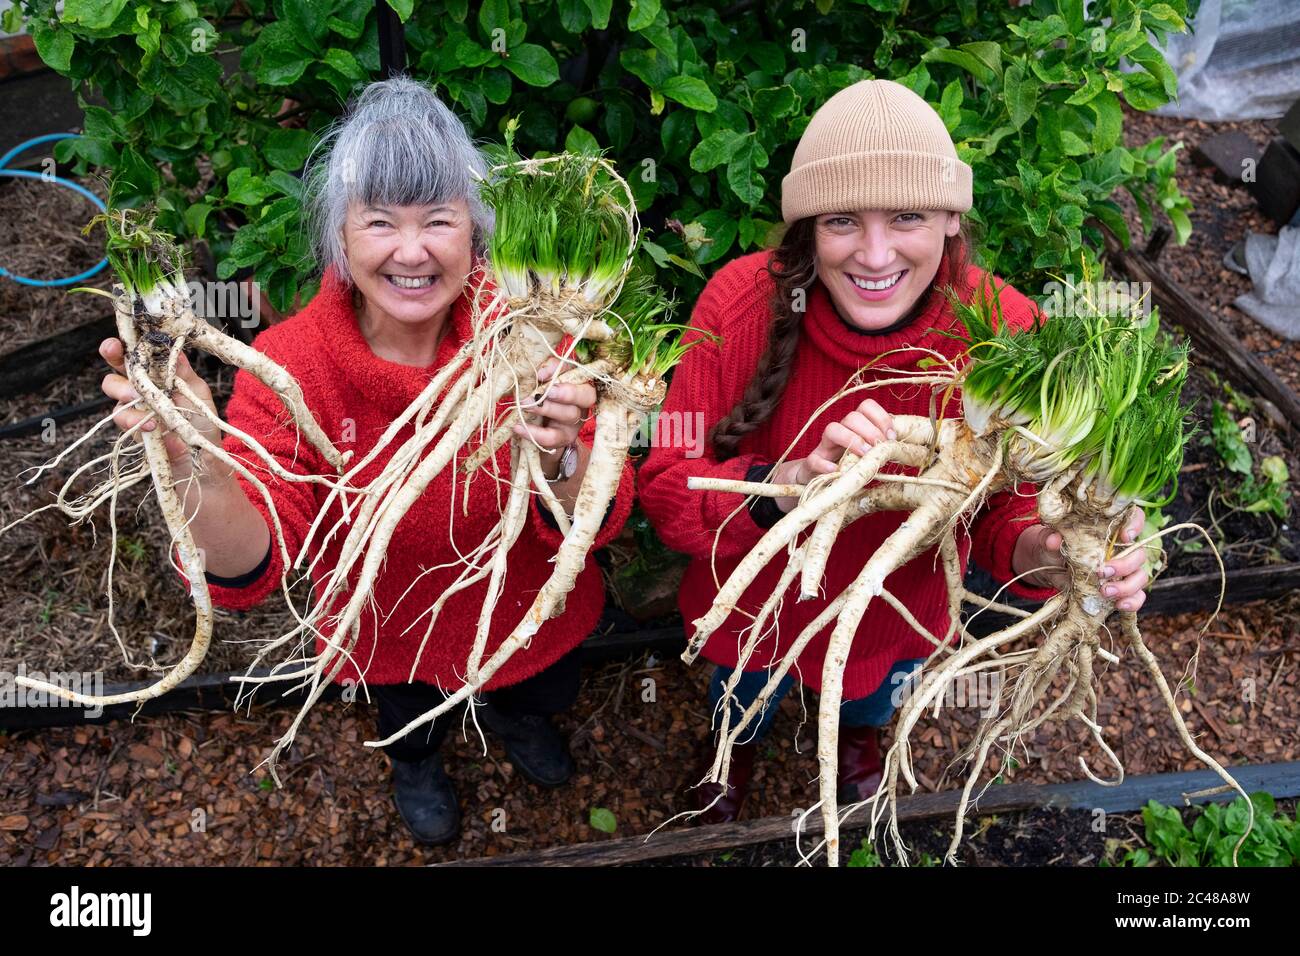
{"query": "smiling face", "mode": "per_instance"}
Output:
(409, 262)
(877, 263)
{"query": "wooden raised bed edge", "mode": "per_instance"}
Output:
(217, 692)
(36, 364)
(1282, 780)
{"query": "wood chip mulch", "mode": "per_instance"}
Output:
(1222, 215)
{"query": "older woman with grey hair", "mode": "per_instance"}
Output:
(399, 229)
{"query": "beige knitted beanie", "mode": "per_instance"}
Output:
(875, 145)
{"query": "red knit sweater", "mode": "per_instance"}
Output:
(355, 395)
(735, 305)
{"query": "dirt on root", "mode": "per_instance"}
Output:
(185, 788)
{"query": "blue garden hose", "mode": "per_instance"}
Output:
(24, 174)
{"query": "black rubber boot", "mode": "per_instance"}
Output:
(426, 800)
(533, 745)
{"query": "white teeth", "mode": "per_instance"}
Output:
(877, 286)
(406, 282)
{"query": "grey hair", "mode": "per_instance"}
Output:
(397, 144)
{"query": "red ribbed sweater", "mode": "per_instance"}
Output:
(711, 379)
(355, 395)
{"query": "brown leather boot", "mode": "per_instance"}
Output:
(728, 808)
(860, 765)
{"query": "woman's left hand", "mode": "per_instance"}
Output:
(1123, 579)
(555, 422)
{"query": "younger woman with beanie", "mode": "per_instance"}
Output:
(873, 205)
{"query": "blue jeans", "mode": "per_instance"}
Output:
(874, 710)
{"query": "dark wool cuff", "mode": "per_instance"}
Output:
(763, 509)
(245, 579)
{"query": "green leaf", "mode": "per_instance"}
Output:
(1275, 470)
(1110, 121)
(244, 188)
(1030, 178)
(600, 10)
(286, 183)
(471, 53)
(581, 141)
(532, 64)
(690, 92)
(493, 15)
(1165, 15)
(196, 219)
(1143, 91)
(720, 230)
(345, 63)
(603, 820)
(743, 171)
(54, 46)
(280, 59)
(716, 149)
(1072, 144)
(349, 29)
(1226, 437)
(987, 52)
(280, 288)
(134, 178)
(1020, 92)
(1110, 216)
(308, 20)
(620, 125)
(495, 85)
(1181, 223)
(967, 61)
(769, 56)
(774, 102)
(649, 66)
(663, 258)
(1095, 83)
(575, 16)
(950, 105)
(93, 14)
(642, 14)
(1039, 219)
(1070, 216)
(676, 133)
(403, 9)
(288, 149)
(1154, 62)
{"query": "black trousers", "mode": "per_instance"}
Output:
(550, 692)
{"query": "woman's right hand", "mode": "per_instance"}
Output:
(118, 387)
(859, 430)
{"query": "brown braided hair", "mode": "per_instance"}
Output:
(793, 266)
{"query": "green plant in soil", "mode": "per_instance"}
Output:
(1256, 490)
(1213, 837)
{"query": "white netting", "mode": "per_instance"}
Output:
(1240, 60)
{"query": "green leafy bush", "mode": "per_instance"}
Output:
(700, 105)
